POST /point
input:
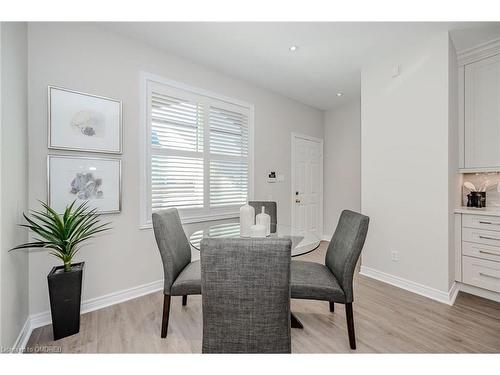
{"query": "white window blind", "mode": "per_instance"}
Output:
(176, 123)
(176, 182)
(199, 153)
(228, 157)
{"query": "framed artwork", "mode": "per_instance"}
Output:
(83, 122)
(80, 178)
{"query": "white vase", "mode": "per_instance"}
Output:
(265, 220)
(257, 231)
(247, 219)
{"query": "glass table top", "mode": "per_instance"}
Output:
(302, 241)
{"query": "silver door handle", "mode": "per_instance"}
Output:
(493, 277)
(489, 253)
(488, 222)
(489, 238)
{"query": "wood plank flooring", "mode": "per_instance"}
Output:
(387, 320)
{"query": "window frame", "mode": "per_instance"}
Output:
(187, 215)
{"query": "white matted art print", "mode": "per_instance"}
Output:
(83, 122)
(96, 180)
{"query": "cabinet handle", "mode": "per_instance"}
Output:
(489, 238)
(485, 274)
(489, 253)
(488, 222)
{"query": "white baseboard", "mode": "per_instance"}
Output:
(423, 290)
(121, 296)
(92, 304)
(23, 337)
(453, 293)
(326, 237)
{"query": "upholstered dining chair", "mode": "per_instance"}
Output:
(332, 282)
(182, 277)
(245, 288)
(270, 209)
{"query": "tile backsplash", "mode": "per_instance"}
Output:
(478, 179)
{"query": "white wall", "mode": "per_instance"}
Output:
(87, 58)
(454, 178)
(14, 180)
(405, 135)
(342, 163)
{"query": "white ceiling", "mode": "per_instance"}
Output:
(329, 56)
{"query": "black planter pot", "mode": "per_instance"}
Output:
(65, 292)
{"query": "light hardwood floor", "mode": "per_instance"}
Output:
(387, 320)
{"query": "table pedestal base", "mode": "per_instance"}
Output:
(295, 323)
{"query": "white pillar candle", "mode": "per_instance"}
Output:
(247, 219)
(257, 230)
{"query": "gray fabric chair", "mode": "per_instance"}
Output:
(182, 277)
(246, 295)
(270, 209)
(333, 281)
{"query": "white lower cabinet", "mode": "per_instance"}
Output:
(480, 252)
(481, 236)
(481, 273)
(481, 222)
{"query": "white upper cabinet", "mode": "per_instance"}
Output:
(482, 113)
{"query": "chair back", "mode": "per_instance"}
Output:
(345, 248)
(270, 208)
(245, 288)
(173, 244)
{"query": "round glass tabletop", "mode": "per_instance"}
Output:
(302, 241)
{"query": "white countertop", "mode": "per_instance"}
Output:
(488, 211)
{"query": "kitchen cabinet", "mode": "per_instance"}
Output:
(482, 113)
(477, 254)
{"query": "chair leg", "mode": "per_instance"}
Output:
(294, 322)
(332, 306)
(350, 325)
(166, 312)
(184, 300)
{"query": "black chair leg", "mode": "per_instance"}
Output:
(166, 312)
(332, 306)
(184, 300)
(350, 325)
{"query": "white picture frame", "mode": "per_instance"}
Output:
(79, 121)
(93, 179)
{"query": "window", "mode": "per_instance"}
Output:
(198, 152)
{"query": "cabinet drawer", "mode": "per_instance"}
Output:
(481, 273)
(481, 222)
(486, 237)
(481, 251)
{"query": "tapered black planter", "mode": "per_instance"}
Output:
(65, 292)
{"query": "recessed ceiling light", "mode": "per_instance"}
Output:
(340, 93)
(293, 48)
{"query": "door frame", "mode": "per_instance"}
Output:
(296, 136)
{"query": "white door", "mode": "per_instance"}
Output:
(307, 183)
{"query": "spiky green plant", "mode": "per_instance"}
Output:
(63, 234)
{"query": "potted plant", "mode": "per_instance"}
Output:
(64, 234)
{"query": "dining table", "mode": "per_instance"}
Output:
(303, 242)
